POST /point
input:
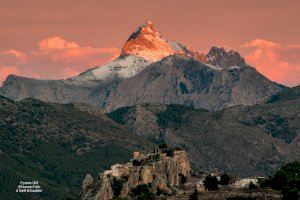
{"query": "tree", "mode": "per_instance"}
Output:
(252, 186)
(211, 183)
(225, 179)
(287, 179)
(279, 180)
(162, 144)
(194, 196)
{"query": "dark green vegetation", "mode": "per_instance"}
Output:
(227, 179)
(57, 145)
(243, 140)
(119, 115)
(287, 179)
(211, 183)
(172, 115)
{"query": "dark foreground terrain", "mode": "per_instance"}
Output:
(58, 144)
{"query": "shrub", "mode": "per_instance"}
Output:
(252, 186)
(162, 144)
(211, 183)
(225, 179)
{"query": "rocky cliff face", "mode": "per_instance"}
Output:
(183, 80)
(160, 172)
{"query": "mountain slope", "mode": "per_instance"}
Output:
(92, 86)
(244, 140)
(57, 145)
(179, 79)
(122, 67)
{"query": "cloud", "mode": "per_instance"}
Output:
(55, 58)
(54, 43)
(278, 62)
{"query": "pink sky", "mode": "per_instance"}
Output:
(58, 39)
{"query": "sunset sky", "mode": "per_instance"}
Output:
(61, 38)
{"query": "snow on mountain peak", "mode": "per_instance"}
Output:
(121, 67)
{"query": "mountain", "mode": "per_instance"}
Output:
(179, 79)
(243, 140)
(57, 145)
(151, 69)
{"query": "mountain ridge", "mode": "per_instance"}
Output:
(144, 49)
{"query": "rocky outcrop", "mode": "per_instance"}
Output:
(161, 172)
(219, 57)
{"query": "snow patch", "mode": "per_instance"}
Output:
(122, 67)
(234, 67)
(217, 68)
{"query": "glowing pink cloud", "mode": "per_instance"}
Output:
(280, 63)
(55, 58)
(54, 43)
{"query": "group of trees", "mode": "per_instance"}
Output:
(287, 179)
(211, 182)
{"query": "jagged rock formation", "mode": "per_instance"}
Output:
(161, 172)
(219, 57)
(151, 69)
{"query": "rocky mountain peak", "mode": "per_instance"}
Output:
(145, 28)
(220, 57)
(145, 42)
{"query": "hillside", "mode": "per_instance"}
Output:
(57, 145)
(244, 140)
